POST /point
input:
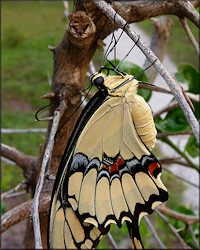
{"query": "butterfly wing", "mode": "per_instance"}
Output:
(63, 233)
(112, 177)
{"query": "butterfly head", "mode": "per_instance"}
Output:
(98, 80)
(116, 85)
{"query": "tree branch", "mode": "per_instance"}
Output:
(177, 149)
(46, 159)
(20, 131)
(160, 36)
(193, 237)
(111, 240)
(136, 11)
(187, 219)
(178, 176)
(181, 241)
(13, 190)
(155, 235)
(173, 84)
(26, 162)
(21, 159)
(21, 212)
(167, 108)
(189, 34)
(160, 135)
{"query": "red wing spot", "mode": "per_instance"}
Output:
(114, 168)
(120, 162)
(104, 166)
(152, 167)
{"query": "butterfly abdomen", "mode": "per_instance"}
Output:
(143, 121)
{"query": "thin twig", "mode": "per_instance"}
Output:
(150, 226)
(167, 108)
(92, 67)
(177, 160)
(46, 159)
(182, 243)
(160, 135)
(182, 153)
(180, 177)
(193, 97)
(21, 159)
(15, 194)
(44, 119)
(18, 131)
(189, 34)
(173, 84)
(66, 5)
(7, 161)
(13, 190)
(187, 219)
(21, 212)
(111, 240)
(193, 237)
(49, 78)
(160, 35)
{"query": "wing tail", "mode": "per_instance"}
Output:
(69, 232)
(134, 235)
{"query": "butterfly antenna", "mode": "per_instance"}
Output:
(116, 41)
(145, 69)
(132, 78)
(115, 51)
(112, 38)
(116, 70)
(127, 54)
(118, 37)
(90, 87)
(36, 114)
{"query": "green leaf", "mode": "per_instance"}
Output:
(189, 74)
(174, 122)
(135, 70)
(192, 147)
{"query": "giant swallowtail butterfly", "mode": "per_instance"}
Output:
(108, 173)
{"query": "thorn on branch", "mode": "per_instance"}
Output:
(49, 95)
(45, 119)
(52, 48)
(50, 177)
(188, 100)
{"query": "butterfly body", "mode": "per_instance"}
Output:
(139, 108)
(108, 173)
